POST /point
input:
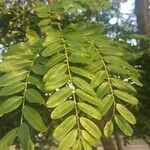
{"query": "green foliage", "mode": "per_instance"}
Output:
(71, 72)
(108, 129)
(8, 139)
(24, 136)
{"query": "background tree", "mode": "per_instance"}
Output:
(143, 21)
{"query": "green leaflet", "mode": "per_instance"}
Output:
(55, 60)
(17, 50)
(118, 69)
(59, 97)
(14, 64)
(12, 89)
(34, 96)
(12, 77)
(134, 72)
(106, 104)
(108, 129)
(122, 85)
(52, 49)
(111, 50)
(34, 40)
(35, 80)
(126, 113)
(44, 22)
(18, 56)
(77, 145)
(42, 10)
(82, 72)
(8, 139)
(85, 145)
(77, 58)
(34, 118)
(58, 78)
(43, 14)
(58, 69)
(95, 66)
(75, 51)
(136, 81)
(64, 127)
(54, 36)
(100, 76)
(57, 83)
(89, 139)
(116, 60)
(10, 104)
(24, 136)
(38, 69)
(103, 89)
(126, 97)
(123, 125)
(90, 127)
(62, 109)
(68, 140)
(88, 109)
(85, 86)
(86, 97)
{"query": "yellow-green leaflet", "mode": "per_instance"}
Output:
(86, 97)
(103, 89)
(62, 109)
(64, 127)
(85, 145)
(123, 125)
(126, 97)
(126, 113)
(57, 83)
(89, 139)
(106, 104)
(60, 68)
(90, 127)
(13, 77)
(85, 86)
(68, 140)
(59, 97)
(82, 72)
(77, 145)
(108, 129)
(88, 109)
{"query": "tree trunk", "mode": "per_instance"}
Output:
(118, 141)
(142, 13)
(143, 16)
(108, 143)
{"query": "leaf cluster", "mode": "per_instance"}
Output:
(77, 75)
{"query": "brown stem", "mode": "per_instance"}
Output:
(108, 143)
(118, 141)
